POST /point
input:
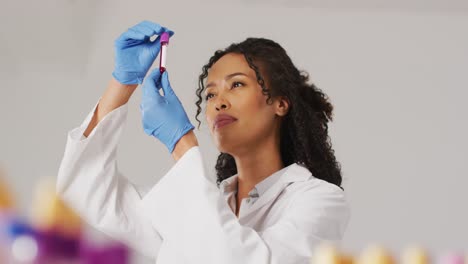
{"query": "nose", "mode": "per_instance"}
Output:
(221, 103)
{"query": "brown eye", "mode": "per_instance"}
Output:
(207, 97)
(234, 84)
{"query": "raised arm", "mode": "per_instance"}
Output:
(89, 179)
(116, 95)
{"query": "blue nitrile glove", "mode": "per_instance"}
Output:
(135, 52)
(163, 117)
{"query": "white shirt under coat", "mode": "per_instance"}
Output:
(185, 218)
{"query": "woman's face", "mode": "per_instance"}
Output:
(232, 89)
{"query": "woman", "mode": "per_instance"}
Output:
(278, 193)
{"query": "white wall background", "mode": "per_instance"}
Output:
(395, 71)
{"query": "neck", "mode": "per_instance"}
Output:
(256, 164)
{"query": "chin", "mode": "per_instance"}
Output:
(228, 140)
(231, 147)
(225, 146)
(222, 148)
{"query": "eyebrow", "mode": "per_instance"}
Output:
(229, 76)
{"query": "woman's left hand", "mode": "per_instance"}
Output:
(163, 117)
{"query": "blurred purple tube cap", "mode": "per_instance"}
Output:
(165, 37)
(53, 244)
(452, 259)
(115, 254)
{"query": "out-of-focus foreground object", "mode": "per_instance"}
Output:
(49, 212)
(6, 200)
(52, 236)
(329, 254)
(375, 255)
(415, 255)
(452, 259)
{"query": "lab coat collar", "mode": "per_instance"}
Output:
(268, 182)
(296, 172)
(228, 185)
(292, 173)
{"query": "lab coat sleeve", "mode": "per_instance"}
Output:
(187, 209)
(90, 182)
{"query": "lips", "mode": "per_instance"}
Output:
(223, 120)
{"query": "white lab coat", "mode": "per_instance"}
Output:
(185, 218)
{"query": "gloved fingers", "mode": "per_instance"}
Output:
(129, 38)
(144, 30)
(150, 29)
(152, 84)
(166, 85)
(157, 29)
(133, 35)
(147, 128)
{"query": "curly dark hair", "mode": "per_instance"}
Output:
(304, 129)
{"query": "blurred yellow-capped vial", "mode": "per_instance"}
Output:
(50, 212)
(6, 200)
(347, 259)
(325, 254)
(415, 255)
(375, 255)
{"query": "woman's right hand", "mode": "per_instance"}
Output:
(135, 52)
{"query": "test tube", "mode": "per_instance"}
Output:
(162, 55)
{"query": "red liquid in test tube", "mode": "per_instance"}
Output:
(162, 55)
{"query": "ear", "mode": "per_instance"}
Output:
(282, 105)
